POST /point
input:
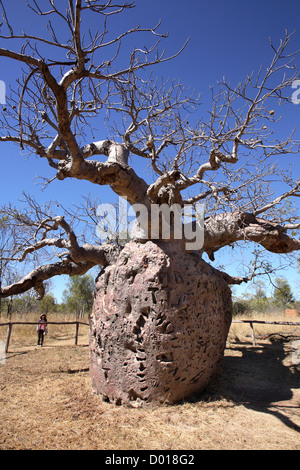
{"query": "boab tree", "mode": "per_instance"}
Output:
(161, 313)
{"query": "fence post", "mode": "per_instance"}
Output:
(76, 332)
(252, 334)
(8, 337)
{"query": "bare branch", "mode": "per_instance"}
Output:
(227, 161)
(292, 192)
(225, 229)
(37, 276)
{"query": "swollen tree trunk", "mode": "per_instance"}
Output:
(159, 325)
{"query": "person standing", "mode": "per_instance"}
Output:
(41, 329)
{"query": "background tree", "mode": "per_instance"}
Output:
(259, 302)
(79, 294)
(153, 298)
(47, 304)
(255, 302)
(283, 293)
(9, 238)
(3, 248)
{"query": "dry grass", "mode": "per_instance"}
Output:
(46, 401)
(26, 335)
(242, 331)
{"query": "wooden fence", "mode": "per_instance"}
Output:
(77, 323)
(251, 322)
(10, 325)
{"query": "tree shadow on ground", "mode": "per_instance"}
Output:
(14, 354)
(260, 379)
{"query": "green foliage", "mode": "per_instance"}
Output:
(47, 304)
(282, 293)
(24, 304)
(28, 303)
(297, 305)
(259, 303)
(240, 307)
(3, 222)
(79, 294)
(252, 305)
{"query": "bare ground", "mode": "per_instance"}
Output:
(46, 402)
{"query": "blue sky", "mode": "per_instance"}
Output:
(227, 38)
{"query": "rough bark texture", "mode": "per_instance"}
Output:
(159, 325)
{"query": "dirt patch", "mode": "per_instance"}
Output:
(46, 403)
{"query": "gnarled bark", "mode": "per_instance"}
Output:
(159, 325)
(88, 258)
(225, 229)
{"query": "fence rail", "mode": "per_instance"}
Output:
(251, 322)
(77, 323)
(10, 325)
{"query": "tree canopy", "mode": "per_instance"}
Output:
(73, 75)
(283, 292)
(79, 294)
